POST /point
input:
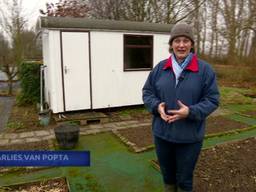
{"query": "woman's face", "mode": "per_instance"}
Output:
(181, 47)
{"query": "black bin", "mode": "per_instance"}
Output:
(67, 135)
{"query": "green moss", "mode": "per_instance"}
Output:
(92, 184)
(243, 119)
(237, 108)
(133, 111)
(15, 125)
(234, 96)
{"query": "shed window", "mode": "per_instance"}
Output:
(138, 52)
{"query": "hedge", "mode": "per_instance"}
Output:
(29, 75)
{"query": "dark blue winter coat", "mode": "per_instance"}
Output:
(197, 88)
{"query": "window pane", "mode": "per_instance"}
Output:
(138, 52)
(138, 58)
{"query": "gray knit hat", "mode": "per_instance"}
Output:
(181, 29)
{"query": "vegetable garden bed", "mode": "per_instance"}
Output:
(226, 167)
(140, 139)
(51, 185)
(251, 114)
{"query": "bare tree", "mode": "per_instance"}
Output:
(6, 62)
(65, 8)
(233, 12)
(140, 10)
(32, 47)
(108, 9)
(13, 23)
(252, 27)
(204, 31)
(214, 7)
(197, 21)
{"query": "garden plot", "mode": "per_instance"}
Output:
(52, 185)
(220, 124)
(140, 138)
(42, 145)
(137, 139)
(24, 119)
(226, 167)
(251, 114)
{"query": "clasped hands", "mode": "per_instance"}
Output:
(173, 115)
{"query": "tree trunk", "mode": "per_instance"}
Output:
(197, 27)
(10, 87)
(252, 53)
(205, 28)
(214, 22)
(217, 54)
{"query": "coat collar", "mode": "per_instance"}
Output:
(192, 66)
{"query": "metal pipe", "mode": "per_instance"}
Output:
(41, 88)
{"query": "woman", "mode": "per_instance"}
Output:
(180, 92)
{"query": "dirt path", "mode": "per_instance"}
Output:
(6, 104)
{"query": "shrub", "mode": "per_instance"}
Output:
(235, 74)
(30, 83)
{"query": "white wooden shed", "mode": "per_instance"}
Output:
(93, 64)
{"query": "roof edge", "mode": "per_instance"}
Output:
(95, 24)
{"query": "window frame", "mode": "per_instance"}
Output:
(125, 65)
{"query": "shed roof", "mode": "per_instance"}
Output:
(111, 25)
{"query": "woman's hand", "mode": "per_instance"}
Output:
(161, 111)
(181, 113)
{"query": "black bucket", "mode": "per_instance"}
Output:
(67, 135)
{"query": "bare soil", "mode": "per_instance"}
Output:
(42, 145)
(227, 167)
(25, 118)
(220, 124)
(250, 113)
(142, 136)
(52, 185)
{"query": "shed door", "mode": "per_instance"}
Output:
(76, 70)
